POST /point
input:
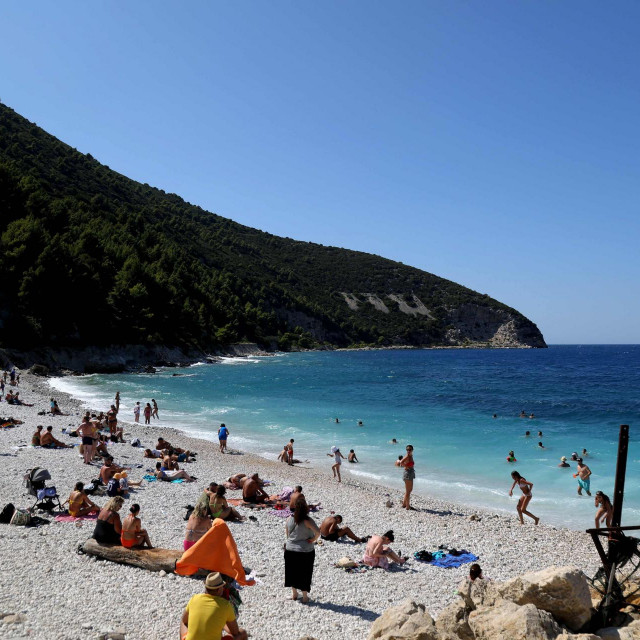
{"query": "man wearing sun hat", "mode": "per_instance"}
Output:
(208, 614)
(563, 462)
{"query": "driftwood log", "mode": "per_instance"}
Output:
(149, 559)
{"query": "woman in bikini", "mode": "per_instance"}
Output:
(199, 523)
(220, 507)
(604, 514)
(408, 476)
(133, 535)
(79, 503)
(525, 499)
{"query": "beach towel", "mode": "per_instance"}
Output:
(448, 561)
(149, 478)
(92, 516)
(177, 481)
(215, 551)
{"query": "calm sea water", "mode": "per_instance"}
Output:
(441, 401)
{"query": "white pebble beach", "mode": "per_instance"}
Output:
(62, 595)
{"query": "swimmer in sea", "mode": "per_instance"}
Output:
(394, 441)
(352, 457)
(523, 414)
(337, 421)
(495, 415)
(525, 486)
(511, 457)
(563, 462)
(539, 434)
(584, 453)
(531, 416)
(360, 423)
(541, 445)
(527, 434)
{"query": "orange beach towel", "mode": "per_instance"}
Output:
(215, 551)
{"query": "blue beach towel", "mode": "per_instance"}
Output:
(149, 478)
(449, 562)
(177, 481)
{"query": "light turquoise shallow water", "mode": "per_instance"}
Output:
(441, 401)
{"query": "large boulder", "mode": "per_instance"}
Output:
(453, 624)
(577, 636)
(479, 593)
(509, 621)
(631, 632)
(407, 621)
(562, 591)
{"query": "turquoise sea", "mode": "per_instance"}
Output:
(441, 401)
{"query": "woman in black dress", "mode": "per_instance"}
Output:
(299, 552)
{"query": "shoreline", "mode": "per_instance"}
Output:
(43, 560)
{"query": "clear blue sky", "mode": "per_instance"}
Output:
(492, 143)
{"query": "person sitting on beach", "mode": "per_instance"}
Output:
(378, 553)
(132, 534)
(295, 496)
(331, 530)
(79, 503)
(252, 491)
(604, 514)
(583, 474)
(49, 442)
(101, 446)
(284, 454)
(563, 462)
(220, 507)
(108, 525)
(169, 476)
(170, 461)
(198, 524)
(208, 614)
(35, 438)
(54, 408)
(17, 400)
(352, 457)
(9, 396)
(163, 445)
(108, 470)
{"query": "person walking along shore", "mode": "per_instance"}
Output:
(525, 499)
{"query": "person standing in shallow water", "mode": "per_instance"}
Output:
(409, 475)
(154, 413)
(147, 414)
(525, 499)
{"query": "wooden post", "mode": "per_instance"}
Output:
(621, 470)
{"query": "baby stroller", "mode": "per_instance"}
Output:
(46, 497)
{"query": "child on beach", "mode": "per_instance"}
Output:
(338, 457)
(604, 513)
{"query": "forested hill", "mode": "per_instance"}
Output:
(90, 257)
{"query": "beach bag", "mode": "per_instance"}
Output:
(113, 488)
(20, 518)
(423, 556)
(135, 442)
(91, 487)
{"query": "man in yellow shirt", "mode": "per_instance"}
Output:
(208, 614)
